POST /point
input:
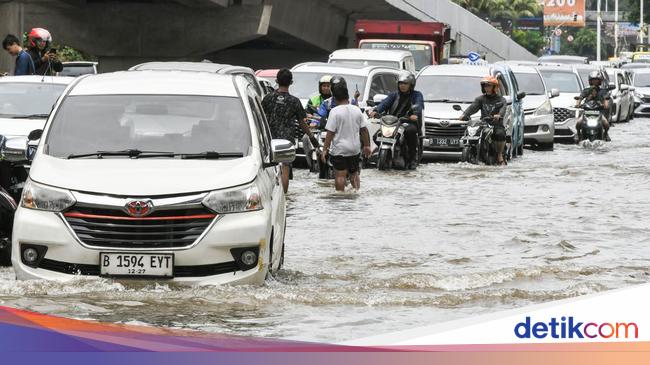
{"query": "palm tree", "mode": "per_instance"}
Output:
(480, 8)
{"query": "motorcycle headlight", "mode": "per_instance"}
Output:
(544, 109)
(41, 197)
(235, 200)
(592, 122)
(388, 131)
(471, 131)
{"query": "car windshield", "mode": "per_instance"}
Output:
(565, 82)
(180, 124)
(305, 84)
(445, 88)
(21, 99)
(642, 80)
(422, 53)
(531, 83)
(77, 70)
(391, 64)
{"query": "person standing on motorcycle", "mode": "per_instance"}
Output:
(282, 111)
(344, 127)
(399, 104)
(491, 104)
(596, 93)
(324, 93)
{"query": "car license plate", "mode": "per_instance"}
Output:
(384, 139)
(136, 264)
(444, 141)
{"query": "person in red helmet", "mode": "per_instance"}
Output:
(39, 42)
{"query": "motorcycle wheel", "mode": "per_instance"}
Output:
(384, 161)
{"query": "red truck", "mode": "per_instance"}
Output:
(427, 41)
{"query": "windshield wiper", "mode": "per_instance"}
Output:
(31, 116)
(210, 155)
(131, 153)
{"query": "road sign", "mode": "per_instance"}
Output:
(569, 38)
(558, 32)
(473, 56)
(567, 13)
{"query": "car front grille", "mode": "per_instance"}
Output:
(530, 129)
(562, 114)
(437, 130)
(102, 227)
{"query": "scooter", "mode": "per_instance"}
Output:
(312, 155)
(592, 121)
(392, 150)
(477, 142)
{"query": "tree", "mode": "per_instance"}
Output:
(533, 41)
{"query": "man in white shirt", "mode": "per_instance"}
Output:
(344, 126)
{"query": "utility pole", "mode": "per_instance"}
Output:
(641, 24)
(615, 28)
(598, 21)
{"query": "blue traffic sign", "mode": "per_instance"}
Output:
(473, 56)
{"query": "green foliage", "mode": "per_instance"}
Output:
(502, 9)
(532, 40)
(67, 54)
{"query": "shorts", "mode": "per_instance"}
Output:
(345, 163)
(499, 134)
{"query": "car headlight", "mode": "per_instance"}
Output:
(388, 131)
(471, 131)
(639, 95)
(47, 198)
(544, 109)
(592, 122)
(235, 200)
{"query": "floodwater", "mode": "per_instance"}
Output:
(413, 248)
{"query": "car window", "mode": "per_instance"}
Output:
(531, 83)
(390, 83)
(260, 122)
(25, 99)
(565, 82)
(504, 89)
(251, 79)
(515, 85)
(620, 78)
(377, 86)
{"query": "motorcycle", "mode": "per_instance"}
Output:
(477, 142)
(15, 154)
(592, 115)
(392, 149)
(312, 155)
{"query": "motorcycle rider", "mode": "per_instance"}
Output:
(399, 104)
(487, 104)
(600, 95)
(328, 104)
(39, 42)
(324, 93)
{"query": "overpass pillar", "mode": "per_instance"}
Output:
(11, 22)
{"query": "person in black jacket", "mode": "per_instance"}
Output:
(39, 42)
(491, 104)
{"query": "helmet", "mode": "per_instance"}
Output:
(595, 75)
(407, 77)
(39, 34)
(489, 80)
(327, 79)
(339, 88)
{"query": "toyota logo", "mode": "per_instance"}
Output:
(444, 123)
(139, 208)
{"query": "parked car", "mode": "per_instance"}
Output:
(447, 85)
(154, 175)
(539, 129)
(78, 68)
(635, 66)
(622, 95)
(267, 78)
(204, 66)
(399, 59)
(641, 83)
(567, 81)
(563, 60)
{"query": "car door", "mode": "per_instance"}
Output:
(269, 176)
(518, 109)
(624, 99)
(504, 90)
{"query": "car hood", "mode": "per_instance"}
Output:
(642, 90)
(533, 101)
(443, 110)
(143, 177)
(19, 127)
(565, 100)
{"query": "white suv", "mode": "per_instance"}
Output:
(150, 175)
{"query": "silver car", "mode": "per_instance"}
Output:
(641, 83)
(622, 95)
(539, 128)
(567, 81)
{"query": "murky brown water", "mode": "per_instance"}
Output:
(414, 248)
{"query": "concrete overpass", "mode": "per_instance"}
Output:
(257, 33)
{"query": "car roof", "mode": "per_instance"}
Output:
(191, 67)
(558, 68)
(62, 80)
(644, 70)
(156, 83)
(370, 54)
(563, 58)
(338, 68)
(521, 69)
(457, 70)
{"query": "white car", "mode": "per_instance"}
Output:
(622, 94)
(78, 68)
(641, 83)
(400, 59)
(539, 128)
(154, 175)
(567, 81)
(26, 102)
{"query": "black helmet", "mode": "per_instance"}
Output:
(407, 77)
(595, 75)
(339, 88)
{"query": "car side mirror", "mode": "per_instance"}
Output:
(625, 87)
(457, 108)
(35, 135)
(611, 87)
(554, 93)
(14, 149)
(508, 99)
(378, 98)
(282, 151)
(521, 95)
(632, 88)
